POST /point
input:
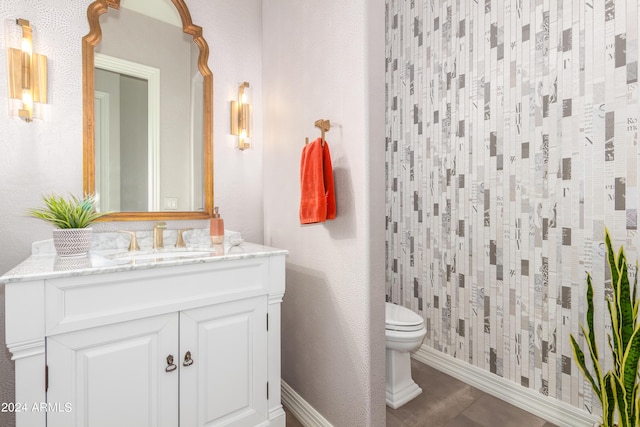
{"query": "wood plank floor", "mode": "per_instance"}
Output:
(448, 402)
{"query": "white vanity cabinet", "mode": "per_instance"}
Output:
(229, 385)
(177, 344)
(114, 375)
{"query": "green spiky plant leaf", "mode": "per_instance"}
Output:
(70, 212)
(617, 389)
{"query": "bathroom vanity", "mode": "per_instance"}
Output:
(166, 338)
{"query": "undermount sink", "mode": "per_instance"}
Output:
(163, 255)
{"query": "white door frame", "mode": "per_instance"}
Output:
(102, 152)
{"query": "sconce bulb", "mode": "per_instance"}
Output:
(243, 98)
(26, 46)
(27, 99)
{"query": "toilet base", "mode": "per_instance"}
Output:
(400, 386)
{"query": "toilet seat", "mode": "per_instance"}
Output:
(399, 318)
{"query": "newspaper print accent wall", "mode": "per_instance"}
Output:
(512, 142)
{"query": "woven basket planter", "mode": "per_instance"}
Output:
(72, 242)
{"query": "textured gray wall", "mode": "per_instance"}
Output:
(512, 143)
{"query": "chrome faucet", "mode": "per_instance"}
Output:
(158, 234)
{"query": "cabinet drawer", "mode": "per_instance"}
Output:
(86, 301)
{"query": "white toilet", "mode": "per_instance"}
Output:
(404, 333)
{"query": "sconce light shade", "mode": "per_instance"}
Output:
(241, 117)
(27, 74)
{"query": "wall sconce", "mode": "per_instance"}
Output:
(27, 77)
(241, 117)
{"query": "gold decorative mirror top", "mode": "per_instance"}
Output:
(147, 111)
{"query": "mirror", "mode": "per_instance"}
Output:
(147, 111)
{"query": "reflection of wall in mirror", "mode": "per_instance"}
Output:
(197, 133)
(133, 154)
(138, 38)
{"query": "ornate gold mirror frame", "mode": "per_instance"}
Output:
(89, 42)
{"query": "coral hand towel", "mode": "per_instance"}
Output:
(317, 195)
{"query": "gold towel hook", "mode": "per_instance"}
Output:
(324, 126)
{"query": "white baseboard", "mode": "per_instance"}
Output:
(299, 407)
(548, 408)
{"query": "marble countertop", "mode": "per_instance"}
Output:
(46, 264)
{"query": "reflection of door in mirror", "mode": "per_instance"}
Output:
(149, 161)
(127, 137)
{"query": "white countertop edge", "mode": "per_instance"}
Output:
(50, 266)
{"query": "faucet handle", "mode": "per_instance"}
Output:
(133, 244)
(180, 240)
(158, 234)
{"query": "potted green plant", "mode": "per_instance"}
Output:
(71, 216)
(617, 388)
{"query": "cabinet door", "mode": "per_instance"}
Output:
(226, 385)
(115, 375)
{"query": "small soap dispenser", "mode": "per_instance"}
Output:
(216, 229)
